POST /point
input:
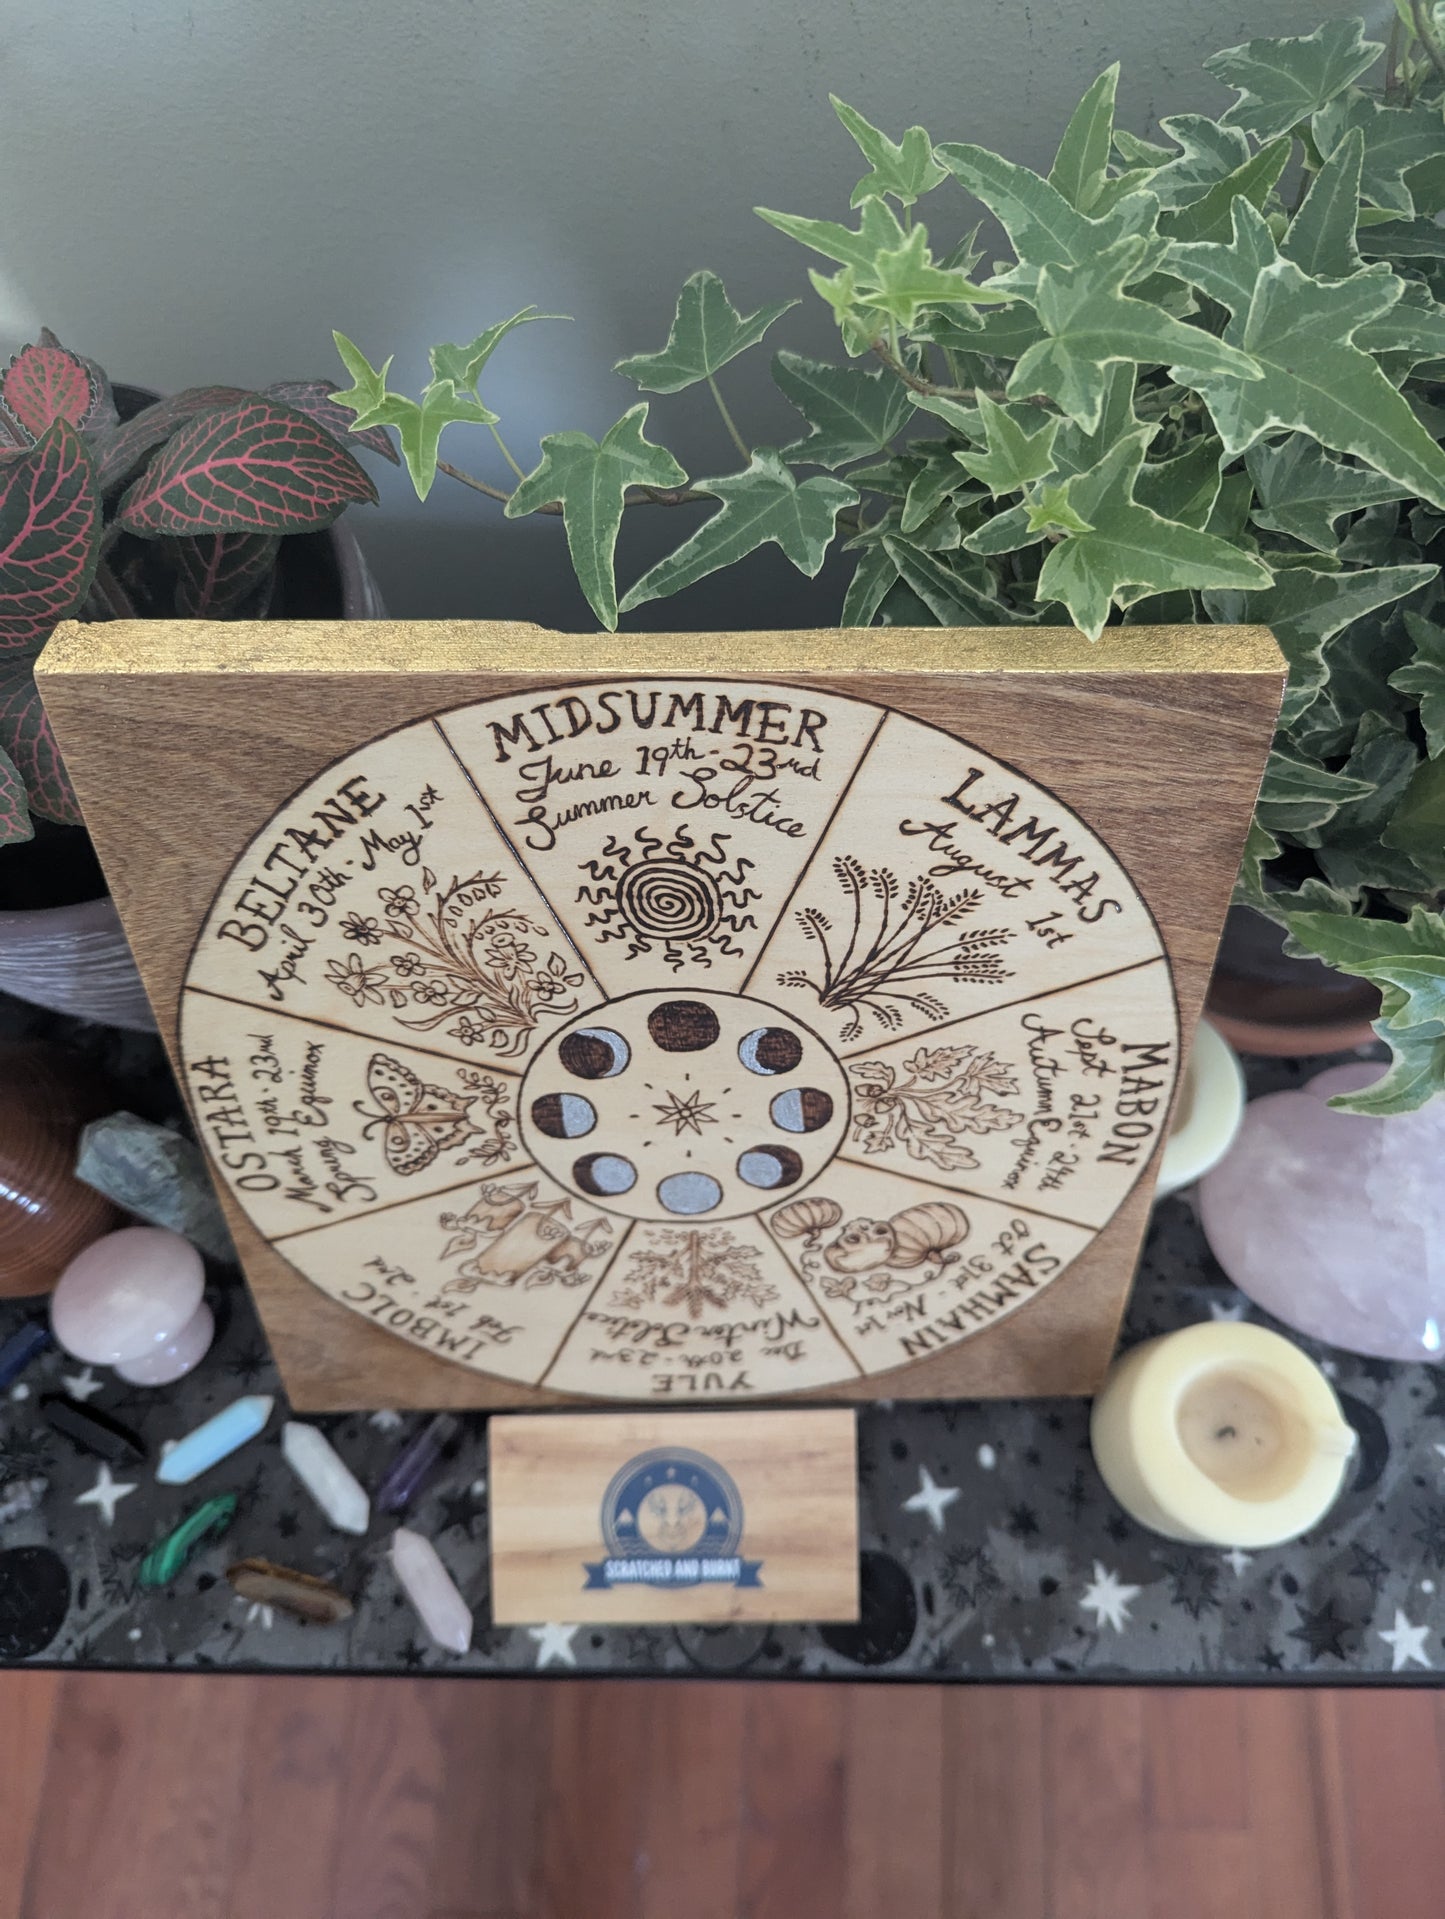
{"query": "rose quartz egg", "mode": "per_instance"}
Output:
(185, 1350)
(1334, 1221)
(127, 1295)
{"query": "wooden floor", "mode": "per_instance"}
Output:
(230, 1798)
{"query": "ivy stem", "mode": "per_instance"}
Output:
(1425, 33)
(647, 496)
(727, 419)
(919, 385)
(505, 450)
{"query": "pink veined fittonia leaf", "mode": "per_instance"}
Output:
(49, 536)
(120, 450)
(254, 467)
(43, 384)
(26, 736)
(216, 573)
(15, 822)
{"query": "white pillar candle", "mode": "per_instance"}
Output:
(1223, 1434)
(1207, 1113)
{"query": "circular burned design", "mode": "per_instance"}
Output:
(699, 1134)
(683, 1026)
(771, 1049)
(664, 899)
(631, 1036)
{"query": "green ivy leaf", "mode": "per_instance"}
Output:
(906, 171)
(1081, 164)
(590, 480)
(955, 593)
(1407, 962)
(1300, 492)
(1321, 236)
(937, 479)
(1417, 826)
(1260, 847)
(1185, 487)
(1416, 1074)
(1413, 329)
(707, 331)
(1016, 457)
(1092, 324)
(1298, 793)
(1305, 608)
(1282, 82)
(1208, 154)
(858, 247)
(1049, 509)
(1300, 331)
(463, 365)
(872, 578)
(904, 279)
(1042, 227)
(418, 424)
(764, 503)
(840, 290)
(1424, 677)
(1132, 546)
(1395, 139)
(851, 412)
(1208, 217)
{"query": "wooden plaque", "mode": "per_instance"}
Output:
(629, 1517)
(676, 1018)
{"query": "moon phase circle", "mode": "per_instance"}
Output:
(672, 1093)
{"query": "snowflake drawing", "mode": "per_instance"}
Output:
(895, 941)
(930, 1104)
(701, 1270)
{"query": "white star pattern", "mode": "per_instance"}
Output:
(81, 1385)
(1440, 1449)
(106, 1493)
(385, 1421)
(1406, 1643)
(553, 1642)
(1107, 1599)
(258, 1614)
(931, 1498)
(1218, 1310)
(1237, 1561)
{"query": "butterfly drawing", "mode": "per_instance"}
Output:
(419, 1122)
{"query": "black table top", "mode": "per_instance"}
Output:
(1031, 1573)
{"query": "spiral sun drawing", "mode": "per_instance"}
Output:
(652, 1035)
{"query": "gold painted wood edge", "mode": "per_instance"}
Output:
(190, 648)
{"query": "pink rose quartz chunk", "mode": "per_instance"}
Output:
(1335, 1222)
(132, 1297)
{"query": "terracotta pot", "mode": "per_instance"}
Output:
(74, 958)
(1263, 1001)
(46, 1214)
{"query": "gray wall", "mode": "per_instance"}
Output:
(198, 190)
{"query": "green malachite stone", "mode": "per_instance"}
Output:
(164, 1561)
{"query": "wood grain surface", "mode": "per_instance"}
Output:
(184, 739)
(549, 1491)
(438, 1799)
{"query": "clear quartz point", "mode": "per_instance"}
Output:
(326, 1476)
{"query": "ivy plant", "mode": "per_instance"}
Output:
(1206, 382)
